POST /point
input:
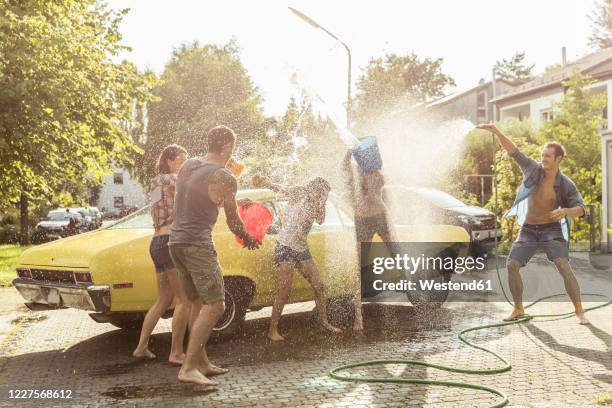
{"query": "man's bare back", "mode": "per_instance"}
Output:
(542, 202)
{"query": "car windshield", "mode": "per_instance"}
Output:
(58, 216)
(140, 219)
(439, 198)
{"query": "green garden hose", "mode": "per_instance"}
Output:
(336, 373)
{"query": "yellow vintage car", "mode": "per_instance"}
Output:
(109, 271)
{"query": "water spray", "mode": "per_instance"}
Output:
(347, 137)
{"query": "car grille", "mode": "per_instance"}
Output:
(486, 223)
(46, 275)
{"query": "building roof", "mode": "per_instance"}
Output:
(556, 76)
(462, 92)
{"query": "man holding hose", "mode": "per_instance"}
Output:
(545, 200)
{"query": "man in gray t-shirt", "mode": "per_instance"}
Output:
(202, 186)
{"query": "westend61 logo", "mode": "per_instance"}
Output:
(413, 264)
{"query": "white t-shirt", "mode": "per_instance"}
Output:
(299, 217)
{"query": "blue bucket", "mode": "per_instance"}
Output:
(367, 154)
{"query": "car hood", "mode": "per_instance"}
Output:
(470, 210)
(52, 224)
(78, 250)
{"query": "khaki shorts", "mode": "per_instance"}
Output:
(199, 271)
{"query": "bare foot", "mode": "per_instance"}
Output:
(143, 354)
(327, 326)
(275, 336)
(211, 369)
(194, 376)
(516, 313)
(178, 360)
(358, 324)
(582, 319)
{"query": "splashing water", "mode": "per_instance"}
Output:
(299, 142)
(457, 129)
(314, 99)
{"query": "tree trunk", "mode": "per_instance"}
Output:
(23, 209)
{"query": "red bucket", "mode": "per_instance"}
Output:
(257, 218)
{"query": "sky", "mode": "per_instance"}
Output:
(469, 35)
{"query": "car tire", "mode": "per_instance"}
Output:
(429, 299)
(238, 295)
(127, 321)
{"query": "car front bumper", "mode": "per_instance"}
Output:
(488, 235)
(58, 295)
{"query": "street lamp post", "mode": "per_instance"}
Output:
(348, 89)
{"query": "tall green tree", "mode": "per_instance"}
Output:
(394, 81)
(65, 103)
(601, 22)
(202, 86)
(514, 69)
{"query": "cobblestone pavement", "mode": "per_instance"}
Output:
(555, 363)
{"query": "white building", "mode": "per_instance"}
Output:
(120, 190)
(535, 99)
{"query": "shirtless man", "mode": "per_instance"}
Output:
(203, 185)
(370, 214)
(543, 204)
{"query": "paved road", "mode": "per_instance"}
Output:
(555, 363)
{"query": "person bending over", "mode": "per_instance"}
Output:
(306, 205)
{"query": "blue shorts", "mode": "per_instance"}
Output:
(284, 254)
(533, 237)
(160, 253)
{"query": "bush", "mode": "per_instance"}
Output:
(8, 234)
(8, 219)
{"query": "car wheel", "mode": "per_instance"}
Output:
(238, 295)
(127, 321)
(423, 298)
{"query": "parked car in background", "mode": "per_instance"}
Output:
(59, 223)
(87, 217)
(429, 205)
(97, 215)
(92, 218)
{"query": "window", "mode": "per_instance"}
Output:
(346, 219)
(481, 107)
(546, 115)
(331, 215)
(141, 219)
(118, 202)
(118, 178)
